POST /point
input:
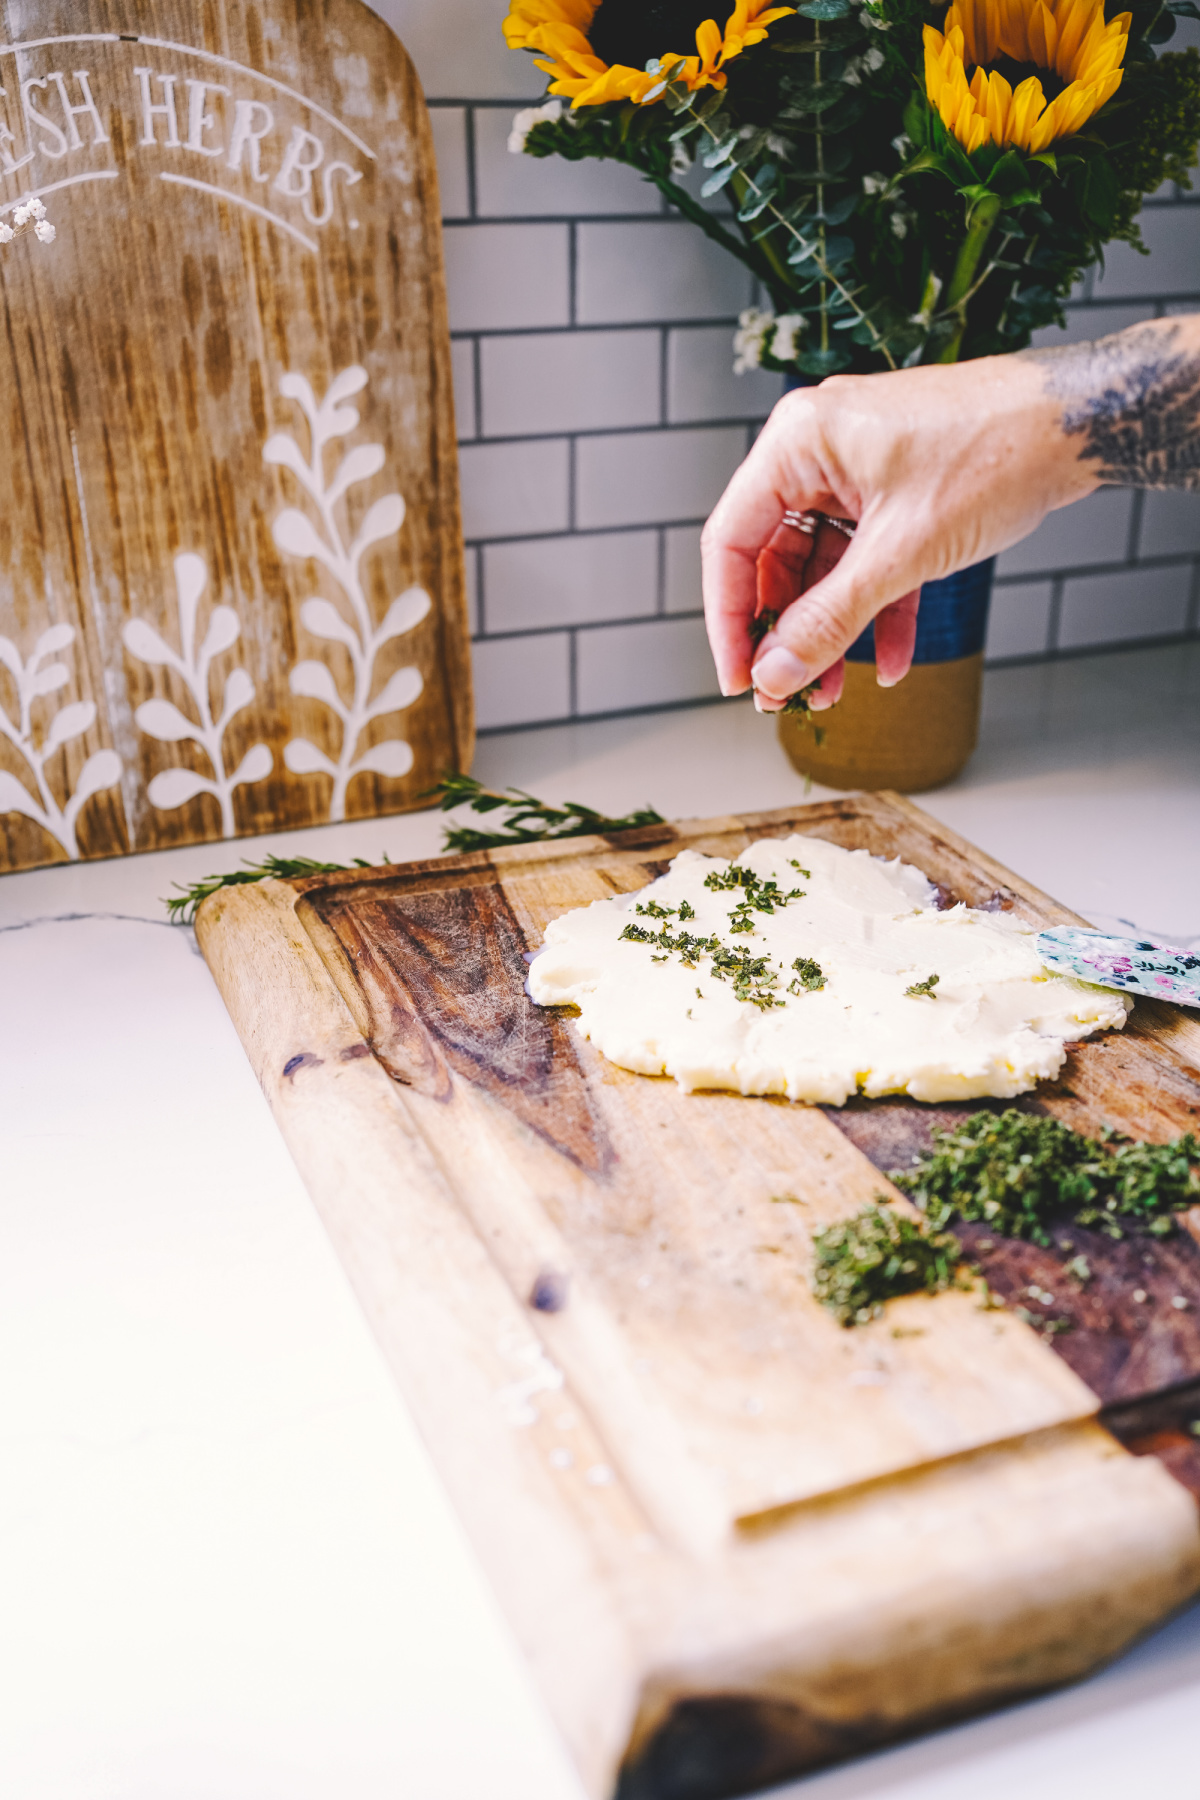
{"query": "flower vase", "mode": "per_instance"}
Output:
(920, 733)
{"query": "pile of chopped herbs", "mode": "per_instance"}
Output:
(1016, 1171)
(876, 1255)
(798, 704)
(529, 820)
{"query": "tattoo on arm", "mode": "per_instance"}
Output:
(1134, 398)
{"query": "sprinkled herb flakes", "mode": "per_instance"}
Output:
(923, 987)
(753, 979)
(876, 1255)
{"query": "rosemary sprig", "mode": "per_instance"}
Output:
(529, 820)
(182, 905)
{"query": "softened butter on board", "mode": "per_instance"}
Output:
(996, 1023)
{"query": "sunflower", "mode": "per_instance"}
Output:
(596, 50)
(1017, 49)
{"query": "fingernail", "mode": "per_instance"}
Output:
(779, 674)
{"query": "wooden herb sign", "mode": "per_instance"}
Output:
(231, 593)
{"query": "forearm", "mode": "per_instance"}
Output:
(1130, 403)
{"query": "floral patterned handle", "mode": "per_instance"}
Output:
(1136, 965)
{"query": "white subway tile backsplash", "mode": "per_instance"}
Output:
(1095, 530)
(701, 383)
(1084, 323)
(681, 575)
(535, 583)
(459, 51)
(514, 489)
(621, 667)
(655, 269)
(637, 478)
(1019, 620)
(511, 186)
(521, 680)
(1129, 603)
(1170, 525)
(570, 381)
(595, 555)
(1172, 236)
(462, 367)
(449, 127)
(501, 276)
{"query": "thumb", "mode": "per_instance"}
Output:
(822, 623)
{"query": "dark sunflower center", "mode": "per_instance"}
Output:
(633, 32)
(1016, 72)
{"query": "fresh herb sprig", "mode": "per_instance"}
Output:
(797, 705)
(182, 905)
(925, 988)
(529, 820)
(1016, 1171)
(875, 1256)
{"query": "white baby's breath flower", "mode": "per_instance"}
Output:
(899, 225)
(778, 146)
(22, 215)
(35, 209)
(902, 144)
(7, 234)
(874, 184)
(873, 59)
(788, 327)
(852, 73)
(681, 162)
(44, 232)
(527, 118)
(750, 338)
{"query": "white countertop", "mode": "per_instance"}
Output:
(227, 1567)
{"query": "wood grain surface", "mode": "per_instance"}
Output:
(231, 586)
(735, 1540)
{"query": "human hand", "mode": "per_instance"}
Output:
(940, 467)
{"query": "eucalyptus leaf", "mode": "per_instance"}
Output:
(716, 182)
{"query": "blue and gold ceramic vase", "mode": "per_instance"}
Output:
(921, 733)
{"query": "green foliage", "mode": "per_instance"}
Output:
(858, 212)
(875, 1256)
(1016, 1171)
(182, 905)
(528, 820)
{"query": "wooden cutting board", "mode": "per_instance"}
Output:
(720, 1524)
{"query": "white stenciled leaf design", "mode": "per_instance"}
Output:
(320, 536)
(393, 757)
(407, 610)
(54, 639)
(325, 621)
(239, 692)
(36, 680)
(141, 640)
(399, 691)
(303, 758)
(163, 720)
(175, 787)
(50, 679)
(70, 722)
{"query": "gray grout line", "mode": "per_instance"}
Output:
(1193, 612)
(1055, 618)
(1169, 560)
(1135, 525)
(572, 674)
(572, 487)
(481, 607)
(469, 119)
(660, 575)
(740, 423)
(477, 377)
